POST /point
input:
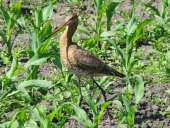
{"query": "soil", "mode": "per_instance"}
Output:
(148, 112)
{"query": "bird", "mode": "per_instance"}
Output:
(81, 62)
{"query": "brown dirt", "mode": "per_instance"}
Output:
(148, 113)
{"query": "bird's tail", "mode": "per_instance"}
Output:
(118, 74)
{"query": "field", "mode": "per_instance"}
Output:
(131, 36)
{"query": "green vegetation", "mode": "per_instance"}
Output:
(30, 99)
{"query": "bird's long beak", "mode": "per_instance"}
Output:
(56, 30)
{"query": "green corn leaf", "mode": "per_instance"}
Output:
(35, 61)
(35, 83)
(84, 30)
(111, 6)
(128, 92)
(98, 4)
(131, 25)
(82, 122)
(52, 114)
(139, 89)
(132, 64)
(47, 11)
(57, 62)
(10, 25)
(20, 118)
(103, 108)
(82, 116)
(13, 68)
(15, 10)
(32, 83)
(33, 39)
(162, 21)
(45, 123)
(45, 31)
(21, 22)
(13, 123)
(92, 106)
(153, 8)
(142, 25)
(121, 121)
(118, 50)
(32, 124)
(5, 15)
(24, 91)
(165, 7)
(30, 52)
(139, 29)
(101, 13)
(167, 70)
(38, 17)
(127, 104)
(112, 32)
(119, 105)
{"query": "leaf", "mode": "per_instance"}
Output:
(127, 104)
(35, 61)
(148, 5)
(98, 4)
(33, 39)
(13, 68)
(98, 118)
(118, 50)
(45, 31)
(92, 106)
(57, 62)
(142, 25)
(47, 11)
(119, 105)
(162, 21)
(35, 83)
(112, 32)
(15, 10)
(84, 30)
(21, 22)
(5, 14)
(111, 6)
(82, 116)
(167, 70)
(38, 17)
(20, 118)
(131, 25)
(24, 91)
(10, 26)
(139, 89)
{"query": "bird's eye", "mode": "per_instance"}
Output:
(72, 18)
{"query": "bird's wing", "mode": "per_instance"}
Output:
(87, 61)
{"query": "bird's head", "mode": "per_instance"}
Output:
(71, 19)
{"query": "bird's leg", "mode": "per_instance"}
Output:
(79, 88)
(105, 100)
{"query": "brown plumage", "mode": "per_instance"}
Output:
(78, 60)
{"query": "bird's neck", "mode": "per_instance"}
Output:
(68, 34)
